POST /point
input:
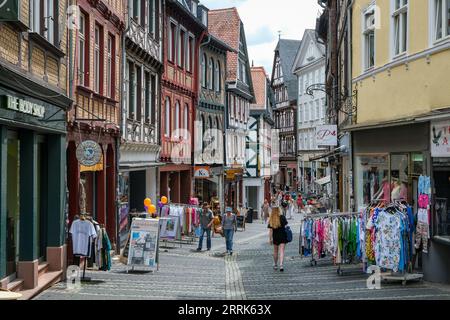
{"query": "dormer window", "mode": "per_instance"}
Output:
(310, 56)
(205, 17)
(194, 8)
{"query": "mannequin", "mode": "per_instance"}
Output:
(384, 192)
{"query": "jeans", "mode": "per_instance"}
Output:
(229, 238)
(208, 238)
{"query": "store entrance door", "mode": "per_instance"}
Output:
(442, 202)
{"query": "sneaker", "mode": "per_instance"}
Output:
(199, 249)
(281, 269)
(275, 267)
(231, 253)
(209, 249)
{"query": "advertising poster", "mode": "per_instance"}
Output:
(143, 243)
(169, 227)
(440, 139)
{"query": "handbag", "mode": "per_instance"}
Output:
(289, 235)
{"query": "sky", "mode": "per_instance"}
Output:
(263, 19)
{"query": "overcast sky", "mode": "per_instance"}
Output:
(263, 19)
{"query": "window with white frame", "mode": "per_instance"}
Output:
(204, 72)
(441, 19)
(176, 124)
(190, 54)
(305, 82)
(306, 112)
(369, 38)
(172, 42)
(400, 23)
(218, 76)
(167, 115)
(44, 19)
(109, 66)
(82, 50)
(211, 74)
(97, 59)
(322, 109)
(186, 120)
(181, 48)
(300, 86)
(317, 110)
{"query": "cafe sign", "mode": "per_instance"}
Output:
(23, 106)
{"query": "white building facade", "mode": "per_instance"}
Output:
(309, 67)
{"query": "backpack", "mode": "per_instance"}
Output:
(284, 203)
(289, 235)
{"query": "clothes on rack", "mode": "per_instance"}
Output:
(388, 240)
(82, 231)
(335, 236)
(103, 246)
(188, 216)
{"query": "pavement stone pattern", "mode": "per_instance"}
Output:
(186, 274)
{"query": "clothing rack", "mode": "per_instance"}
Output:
(407, 273)
(189, 238)
(313, 261)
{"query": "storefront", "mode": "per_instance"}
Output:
(387, 165)
(32, 188)
(438, 259)
(92, 189)
(209, 184)
(234, 188)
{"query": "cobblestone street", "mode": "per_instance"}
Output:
(248, 274)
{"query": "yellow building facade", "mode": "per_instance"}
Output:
(400, 132)
(403, 85)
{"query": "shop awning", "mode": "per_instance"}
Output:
(329, 154)
(324, 180)
(140, 165)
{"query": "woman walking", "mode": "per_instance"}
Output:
(277, 237)
(229, 225)
(265, 211)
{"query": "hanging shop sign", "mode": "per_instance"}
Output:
(144, 243)
(202, 172)
(326, 136)
(232, 173)
(440, 139)
(9, 10)
(95, 167)
(89, 153)
(23, 106)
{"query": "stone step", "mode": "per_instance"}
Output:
(44, 282)
(43, 268)
(15, 285)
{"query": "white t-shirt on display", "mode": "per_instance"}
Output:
(82, 231)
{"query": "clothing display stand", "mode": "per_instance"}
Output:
(313, 261)
(407, 274)
(84, 278)
(188, 239)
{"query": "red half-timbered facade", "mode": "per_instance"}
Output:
(184, 30)
(95, 114)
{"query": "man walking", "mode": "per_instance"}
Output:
(206, 221)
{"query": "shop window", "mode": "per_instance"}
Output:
(372, 179)
(400, 177)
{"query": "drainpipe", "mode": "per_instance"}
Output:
(122, 127)
(349, 72)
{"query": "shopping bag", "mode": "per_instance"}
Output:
(198, 231)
